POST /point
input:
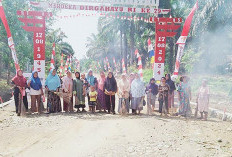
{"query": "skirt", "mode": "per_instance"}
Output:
(135, 103)
(121, 102)
(101, 100)
(53, 103)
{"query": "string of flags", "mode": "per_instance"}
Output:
(122, 17)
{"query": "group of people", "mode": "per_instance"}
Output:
(100, 93)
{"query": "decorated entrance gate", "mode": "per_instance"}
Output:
(35, 22)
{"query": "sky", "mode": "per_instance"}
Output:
(77, 30)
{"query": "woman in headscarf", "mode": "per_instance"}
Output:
(152, 91)
(137, 93)
(132, 77)
(184, 96)
(171, 91)
(79, 93)
(110, 88)
(67, 92)
(123, 94)
(163, 96)
(92, 81)
(101, 94)
(52, 85)
(36, 91)
(203, 99)
(20, 83)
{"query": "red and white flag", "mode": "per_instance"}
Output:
(137, 53)
(53, 56)
(181, 41)
(61, 64)
(66, 64)
(123, 66)
(10, 39)
(140, 67)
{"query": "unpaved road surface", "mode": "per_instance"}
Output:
(102, 135)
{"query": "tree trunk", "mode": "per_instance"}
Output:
(171, 59)
(121, 53)
(125, 49)
(8, 73)
(132, 33)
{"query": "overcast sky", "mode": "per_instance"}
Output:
(77, 30)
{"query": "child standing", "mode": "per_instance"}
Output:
(152, 91)
(93, 99)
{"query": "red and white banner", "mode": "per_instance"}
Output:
(53, 56)
(137, 53)
(10, 39)
(99, 8)
(140, 67)
(61, 64)
(66, 64)
(123, 66)
(124, 2)
(182, 40)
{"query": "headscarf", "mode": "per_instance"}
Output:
(170, 83)
(79, 75)
(101, 82)
(153, 87)
(20, 81)
(52, 82)
(110, 83)
(35, 82)
(90, 79)
(123, 85)
(67, 83)
(131, 79)
(137, 88)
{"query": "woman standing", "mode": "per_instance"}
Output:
(123, 94)
(110, 88)
(152, 91)
(101, 95)
(52, 85)
(36, 91)
(67, 92)
(171, 91)
(184, 96)
(203, 100)
(163, 96)
(20, 83)
(137, 93)
(79, 93)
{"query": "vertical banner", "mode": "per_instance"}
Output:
(34, 21)
(159, 55)
(182, 40)
(165, 27)
(10, 39)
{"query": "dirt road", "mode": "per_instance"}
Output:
(82, 135)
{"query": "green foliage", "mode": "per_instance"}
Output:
(147, 75)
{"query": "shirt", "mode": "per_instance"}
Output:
(93, 95)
